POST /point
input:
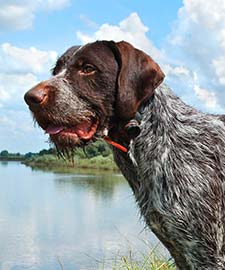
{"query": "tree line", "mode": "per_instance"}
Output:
(99, 148)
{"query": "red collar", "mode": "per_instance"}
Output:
(130, 129)
(115, 144)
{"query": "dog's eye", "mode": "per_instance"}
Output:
(87, 69)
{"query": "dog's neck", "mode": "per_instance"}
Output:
(162, 114)
(122, 132)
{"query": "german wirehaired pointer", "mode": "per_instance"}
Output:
(172, 155)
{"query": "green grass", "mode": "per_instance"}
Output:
(138, 254)
(52, 161)
(98, 162)
(149, 261)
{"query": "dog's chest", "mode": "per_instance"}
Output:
(145, 175)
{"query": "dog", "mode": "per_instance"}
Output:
(172, 155)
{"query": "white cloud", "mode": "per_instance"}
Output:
(53, 4)
(206, 96)
(219, 65)
(209, 14)
(13, 87)
(17, 132)
(221, 39)
(200, 31)
(198, 42)
(15, 17)
(20, 69)
(179, 71)
(130, 29)
(19, 15)
(16, 121)
(15, 59)
(4, 95)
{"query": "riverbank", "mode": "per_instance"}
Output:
(97, 155)
(53, 161)
(13, 158)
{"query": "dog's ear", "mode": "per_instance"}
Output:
(138, 77)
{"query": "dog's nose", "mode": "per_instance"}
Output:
(37, 95)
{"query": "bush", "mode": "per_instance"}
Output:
(93, 150)
(4, 153)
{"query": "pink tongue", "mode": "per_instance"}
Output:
(84, 130)
(53, 130)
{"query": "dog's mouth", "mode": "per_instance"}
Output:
(83, 131)
(67, 136)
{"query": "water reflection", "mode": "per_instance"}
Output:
(4, 163)
(70, 169)
(99, 185)
(74, 217)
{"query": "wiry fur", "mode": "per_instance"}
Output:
(176, 166)
(68, 110)
(178, 179)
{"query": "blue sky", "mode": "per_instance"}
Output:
(187, 39)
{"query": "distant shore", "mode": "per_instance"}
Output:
(96, 156)
(21, 158)
(52, 161)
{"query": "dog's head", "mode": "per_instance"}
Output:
(90, 86)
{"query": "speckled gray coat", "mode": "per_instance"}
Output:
(176, 168)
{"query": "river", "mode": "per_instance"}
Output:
(66, 220)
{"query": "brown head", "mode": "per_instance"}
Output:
(90, 86)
